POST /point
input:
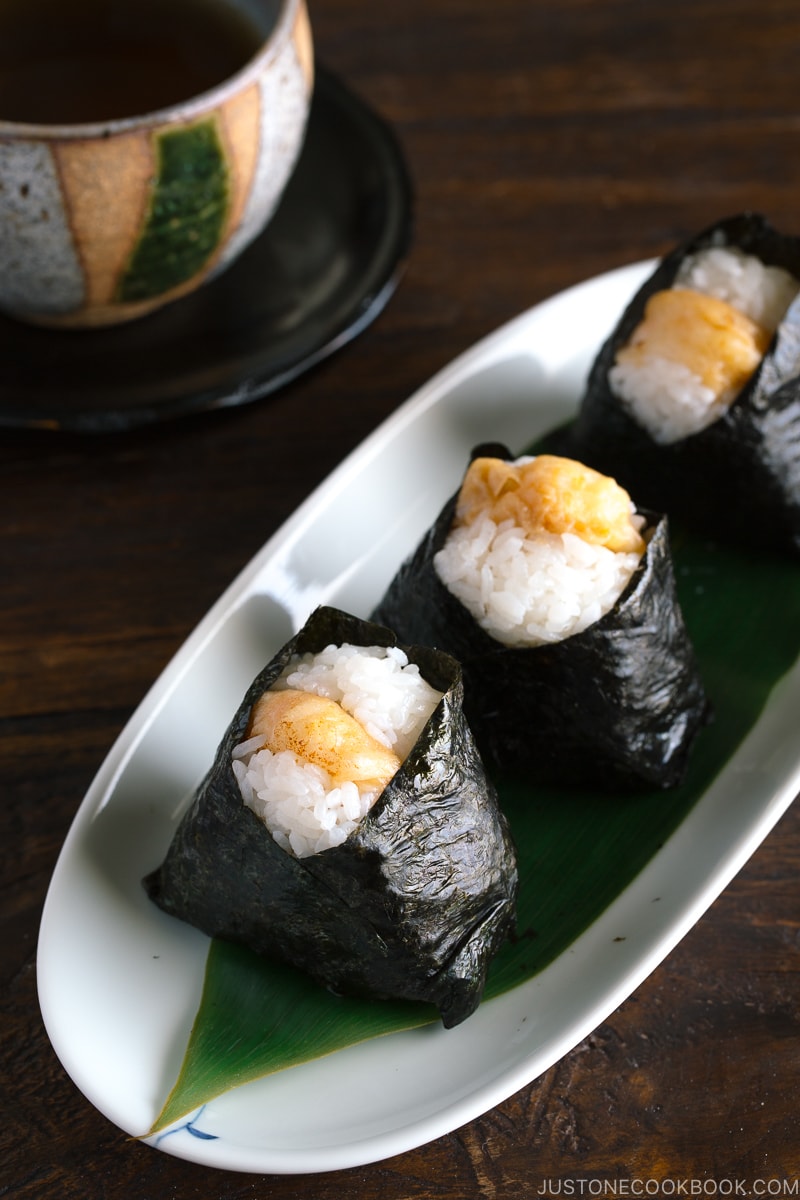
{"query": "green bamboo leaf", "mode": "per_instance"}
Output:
(577, 850)
(257, 1017)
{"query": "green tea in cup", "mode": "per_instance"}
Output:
(143, 145)
(100, 60)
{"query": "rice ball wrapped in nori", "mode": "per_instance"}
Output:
(563, 613)
(420, 892)
(693, 402)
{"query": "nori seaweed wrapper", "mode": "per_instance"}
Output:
(413, 905)
(737, 480)
(616, 706)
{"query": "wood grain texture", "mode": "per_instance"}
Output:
(549, 140)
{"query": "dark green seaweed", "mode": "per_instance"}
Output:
(738, 480)
(616, 706)
(413, 905)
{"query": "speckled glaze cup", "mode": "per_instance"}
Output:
(101, 223)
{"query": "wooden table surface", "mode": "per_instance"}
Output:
(548, 141)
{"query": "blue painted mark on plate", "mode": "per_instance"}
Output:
(190, 1127)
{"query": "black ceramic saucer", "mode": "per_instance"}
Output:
(321, 272)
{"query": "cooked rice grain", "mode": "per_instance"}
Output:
(296, 800)
(664, 396)
(527, 591)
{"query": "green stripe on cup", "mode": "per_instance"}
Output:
(187, 213)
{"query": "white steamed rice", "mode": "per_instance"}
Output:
(529, 590)
(295, 800)
(763, 293)
(665, 397)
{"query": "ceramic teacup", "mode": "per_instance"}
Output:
(107, 218)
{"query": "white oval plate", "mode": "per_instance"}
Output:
(119, 982)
